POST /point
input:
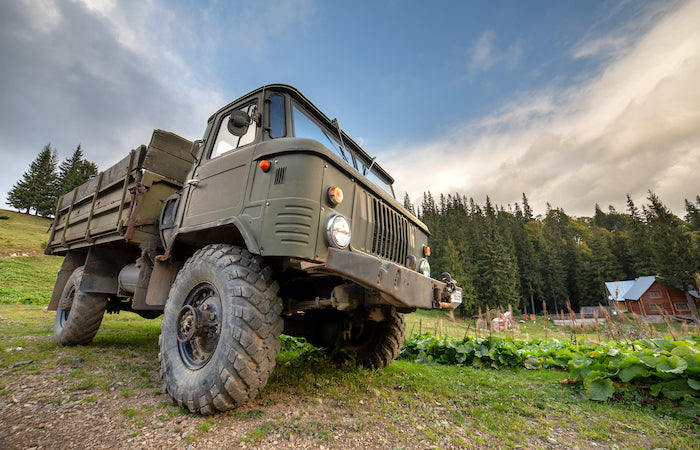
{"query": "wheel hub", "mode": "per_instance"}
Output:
(198, 326)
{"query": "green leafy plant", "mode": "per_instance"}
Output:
(658, 367)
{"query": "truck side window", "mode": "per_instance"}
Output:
(276, 116)
(225, 141)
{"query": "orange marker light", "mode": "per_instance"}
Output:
(335, 196)
(426, 251)
(265, 165)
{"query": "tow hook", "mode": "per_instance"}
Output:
(450, 286)
(442, 298)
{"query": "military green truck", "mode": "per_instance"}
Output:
(275, 222)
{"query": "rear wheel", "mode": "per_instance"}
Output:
(376, 344)
(79, 314)
(220, 330)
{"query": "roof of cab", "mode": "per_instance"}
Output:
(309, 106)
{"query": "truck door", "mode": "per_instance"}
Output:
(217, 187)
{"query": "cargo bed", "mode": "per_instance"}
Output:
(124, 202)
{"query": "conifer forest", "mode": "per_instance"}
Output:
(509, 256)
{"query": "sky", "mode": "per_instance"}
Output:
(574, 103)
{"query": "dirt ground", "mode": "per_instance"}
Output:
(32, 418)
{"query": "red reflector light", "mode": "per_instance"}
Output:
(265, 165)
(426, 250)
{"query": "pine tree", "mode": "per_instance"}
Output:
(528, 262)
(19, 196)
(75, 171)
(640, 246)
(457, 265)
(527, 211)
(497, 266)
(671, 246)
(408, 205)
(600, 266)
(693, 214)
(37, 189)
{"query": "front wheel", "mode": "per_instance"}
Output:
(220, 332)
(376, 344)
(79, 314)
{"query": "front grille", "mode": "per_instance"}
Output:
(389, 233)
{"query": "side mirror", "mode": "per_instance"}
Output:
(238, 123)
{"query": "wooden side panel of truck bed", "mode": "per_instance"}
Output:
(123, 203)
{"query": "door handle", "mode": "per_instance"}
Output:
(193, 182)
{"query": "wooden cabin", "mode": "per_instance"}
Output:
(647, 297)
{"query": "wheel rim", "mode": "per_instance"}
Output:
(199, 326)
(360, 335)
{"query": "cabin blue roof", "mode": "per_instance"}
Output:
(618, 289)
(633, 289)
(640, 286)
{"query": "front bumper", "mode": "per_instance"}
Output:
(400, 286)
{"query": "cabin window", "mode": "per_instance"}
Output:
(655, 307)
(683, 306)
(655, 294)
(277, 128)
(226, 141)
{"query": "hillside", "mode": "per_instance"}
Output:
(28, 278)
(22, 233)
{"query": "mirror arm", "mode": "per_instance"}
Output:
(195, 147)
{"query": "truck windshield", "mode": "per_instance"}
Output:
(304, 126)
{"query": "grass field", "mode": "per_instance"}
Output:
(406, 403)
(29, 279)
(334, 404)
(23, 233)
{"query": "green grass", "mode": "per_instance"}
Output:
(25, 279)
(28, 280)
(408, 402)
(437, 323)
(22, 232)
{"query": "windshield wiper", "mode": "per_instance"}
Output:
(342, 144)
(369, 169)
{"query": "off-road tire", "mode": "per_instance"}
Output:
(79, 314)
(208, 374)
(379, 343)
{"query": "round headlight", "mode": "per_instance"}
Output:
(424, 267)
(338, 231)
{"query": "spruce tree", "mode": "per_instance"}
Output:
(640, 245)
(599, 267)
(38, 188)
(671, 246)
(527, 211)
(20, 196)
(75, 171)
(693, 214)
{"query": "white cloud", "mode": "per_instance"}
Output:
(634, 127)
(105, 73)
(482, 56)
(485, 54)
